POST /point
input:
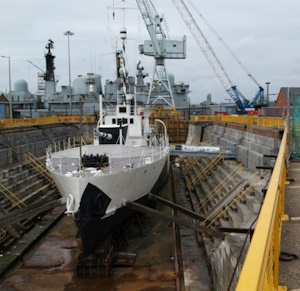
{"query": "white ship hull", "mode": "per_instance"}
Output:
(119, 182)
(95, 197)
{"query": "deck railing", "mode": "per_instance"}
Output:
(261, 267)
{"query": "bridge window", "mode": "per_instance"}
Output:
(122, 109)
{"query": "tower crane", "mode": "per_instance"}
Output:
(241, 101)
(161, 48)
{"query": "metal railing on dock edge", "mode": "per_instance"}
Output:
(261, 267)
(273, 122)
(22, 122)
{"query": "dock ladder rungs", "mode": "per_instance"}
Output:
(204, 170)
(38, 166)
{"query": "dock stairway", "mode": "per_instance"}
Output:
(220, 194)
(199, 173)
(25, 193)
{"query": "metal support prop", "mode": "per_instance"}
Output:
(176, 206)
(183, 222)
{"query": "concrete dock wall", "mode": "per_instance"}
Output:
(13, 145)
(251, 144)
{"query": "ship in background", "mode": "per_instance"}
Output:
(86, 88)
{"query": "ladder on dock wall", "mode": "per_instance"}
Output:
(39, 167)
(220, 190)
(15, 201)
(204, 170)
(235, 196)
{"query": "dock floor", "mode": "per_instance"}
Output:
(52, 264)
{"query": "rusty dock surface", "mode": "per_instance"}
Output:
(167, 257)
(52, 264)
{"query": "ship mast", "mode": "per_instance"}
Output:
(49, 76)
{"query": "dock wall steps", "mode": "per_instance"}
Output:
(14, 145)
(250, 147)
(234, 218)
(29, 186)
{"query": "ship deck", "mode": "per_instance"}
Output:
(68, 162)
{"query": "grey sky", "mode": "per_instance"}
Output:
(264, 34)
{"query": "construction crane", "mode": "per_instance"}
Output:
(161, 48)
(35, 66)
(241, 101)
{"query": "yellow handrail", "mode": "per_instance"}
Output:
(261, 267)
(3, 233)
(11, 197)
(190, 161)
(237, 199)
(204, 170)
(19, 122)
(214, 192)
(236, 192)
(274, 122)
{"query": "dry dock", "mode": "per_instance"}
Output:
(52, 263)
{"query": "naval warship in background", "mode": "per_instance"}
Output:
(86, 88)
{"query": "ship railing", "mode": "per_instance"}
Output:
(64, 145)
(130, 159)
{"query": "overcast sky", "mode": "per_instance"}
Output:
(263, 34)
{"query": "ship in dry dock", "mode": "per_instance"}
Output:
(124, 163)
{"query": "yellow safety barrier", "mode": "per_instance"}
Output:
(247, 120)
(205, 118)
(19, 122)
(261, 267)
